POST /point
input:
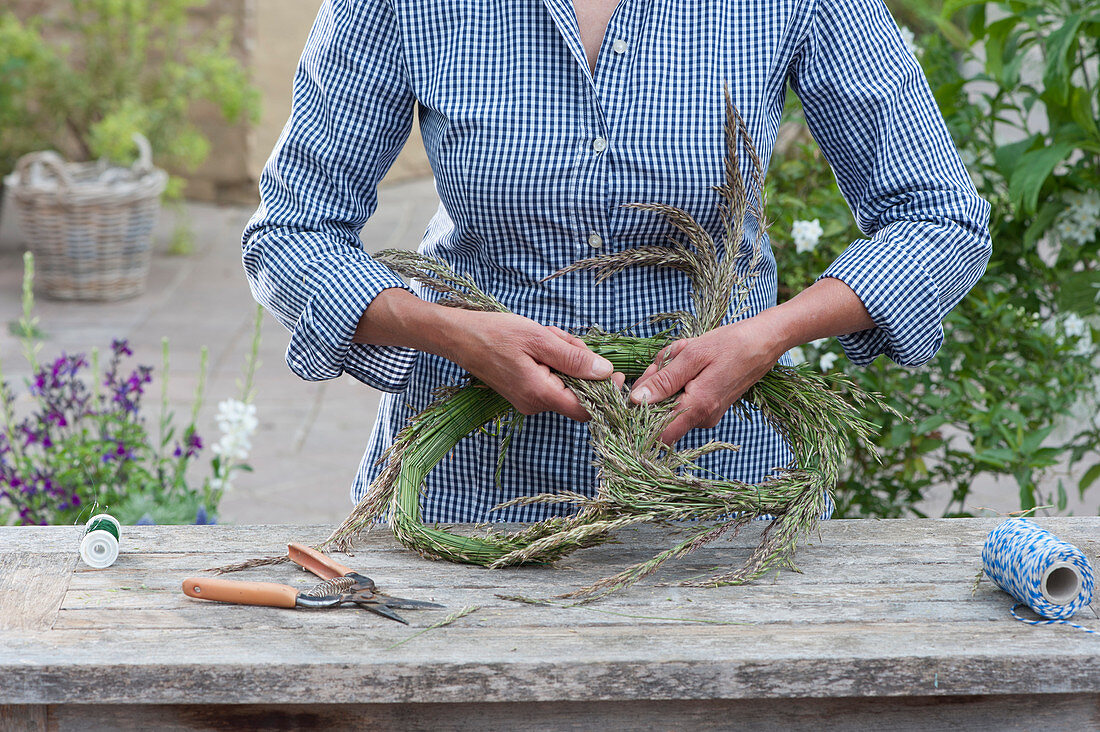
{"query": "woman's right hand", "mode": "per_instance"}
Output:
(517, 356)
(514, 355)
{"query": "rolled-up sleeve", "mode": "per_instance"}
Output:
(352, 112)
(869, 107)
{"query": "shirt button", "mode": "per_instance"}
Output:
(599, 144)
(595, 241)
(619, 46)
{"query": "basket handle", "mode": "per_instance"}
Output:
(144, 164)
(49, 159)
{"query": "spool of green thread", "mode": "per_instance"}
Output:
(99, 544)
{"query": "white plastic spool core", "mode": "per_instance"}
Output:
(99, 549)
(1061, 583)
(99, 544)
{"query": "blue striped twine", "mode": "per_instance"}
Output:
(1040, 570)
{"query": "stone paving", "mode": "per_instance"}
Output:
(311, 435)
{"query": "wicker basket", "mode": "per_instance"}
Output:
(89, 225)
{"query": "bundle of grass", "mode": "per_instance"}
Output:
(640, 479)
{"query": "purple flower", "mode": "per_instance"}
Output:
(191, 447)
(120, 453)
(146, 520)
(202, 519)
(76, 363)
(121, 347)
(194, 445)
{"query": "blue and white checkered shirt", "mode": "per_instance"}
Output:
(534, 156)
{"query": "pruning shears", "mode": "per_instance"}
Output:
(341, 586)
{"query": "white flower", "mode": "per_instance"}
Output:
(1087, 204)
(806, 234)
(797, 356)
(237, 421)
(827, 361)
(1074, 325)
(233, 446)
(911, 41)
(1071, 326)
(1080, 220)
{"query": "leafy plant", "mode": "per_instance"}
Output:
(24, 59)
(1013, 391)
(85, 80)
(84, 441)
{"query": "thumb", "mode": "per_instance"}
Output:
(573, 360)
(664, 382)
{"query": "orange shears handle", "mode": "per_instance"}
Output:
(268, 594)
(316, 562)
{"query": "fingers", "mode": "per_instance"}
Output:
(563, 401)
(692, 414)
(569, 355)
(704, 402)
(539, 390)
(673, 368)
(566, 336)
(680, 426)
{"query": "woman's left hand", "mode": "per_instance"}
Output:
(712, 370)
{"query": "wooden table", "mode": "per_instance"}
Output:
(881, 631)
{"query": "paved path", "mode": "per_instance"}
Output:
(311, 435)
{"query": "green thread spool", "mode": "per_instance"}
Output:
(99, 543)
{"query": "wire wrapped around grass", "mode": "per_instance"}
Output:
(640, 479)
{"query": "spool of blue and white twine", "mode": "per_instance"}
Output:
(1040, 570)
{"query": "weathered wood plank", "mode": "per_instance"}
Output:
(463, 662)
(862, 566)
(264, 540)
(976, 714)
(762, 604)
(23, 718)
(32, 587)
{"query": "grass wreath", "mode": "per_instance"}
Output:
(640, 479)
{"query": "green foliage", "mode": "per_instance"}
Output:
(24, 60)
(1013, 391)
(85, 80)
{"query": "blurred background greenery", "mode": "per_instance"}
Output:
(1012, 394)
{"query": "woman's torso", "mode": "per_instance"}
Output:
(534, 157)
